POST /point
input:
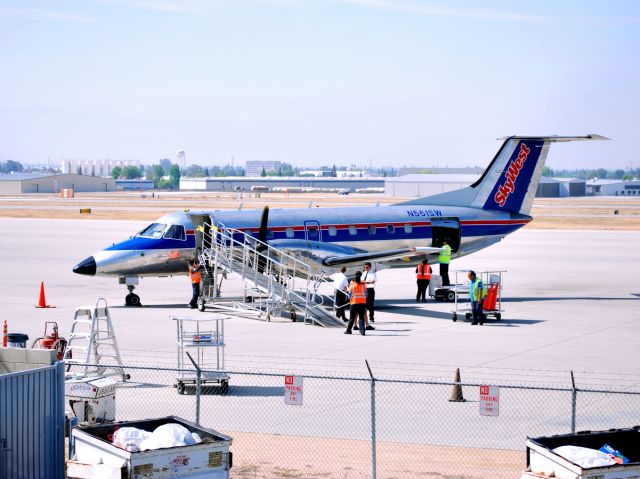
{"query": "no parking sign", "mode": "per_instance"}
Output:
(293, 390)
(489, 400)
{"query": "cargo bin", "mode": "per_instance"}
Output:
(93, 450)
(542, 460)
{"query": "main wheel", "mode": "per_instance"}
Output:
(201, 304)
(294, 316)
(224, 386)
(454, 317)
(498, 316)
(467, 316)
(181, 387)
(451, 296)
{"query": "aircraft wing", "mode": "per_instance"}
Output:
(380, 256)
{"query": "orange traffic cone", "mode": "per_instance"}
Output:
(456, 390)
(42, 303)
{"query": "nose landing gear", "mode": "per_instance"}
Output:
(132, 299)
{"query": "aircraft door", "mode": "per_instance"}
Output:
(312, 231)
(445, 228)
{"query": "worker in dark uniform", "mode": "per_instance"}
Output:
(444, 259)
(423, 277)
(196, 278)
(477, 292)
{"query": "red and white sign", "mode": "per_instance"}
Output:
(293, 390)
(489, 400)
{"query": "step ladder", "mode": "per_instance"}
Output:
(92, 343)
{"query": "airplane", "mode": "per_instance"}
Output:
(393, 236)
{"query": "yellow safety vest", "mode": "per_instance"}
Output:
(445, 256)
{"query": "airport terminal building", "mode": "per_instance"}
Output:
(52, 183)
(613, 188)
(243, 183)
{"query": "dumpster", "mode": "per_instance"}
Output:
(95, 453)
(17, 340)
(621, 445)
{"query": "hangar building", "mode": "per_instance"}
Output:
(427, 185)
(52, 183)
(243, 183)
(614, 188)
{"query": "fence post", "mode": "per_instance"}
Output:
(574, 401)
(198, 382)
(373, 423)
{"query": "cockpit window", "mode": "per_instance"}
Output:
(153, 231)
(175, 232)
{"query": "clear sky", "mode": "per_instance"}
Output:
(313, 82)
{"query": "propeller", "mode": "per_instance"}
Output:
(264, 225)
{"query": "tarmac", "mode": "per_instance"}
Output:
(570, 298)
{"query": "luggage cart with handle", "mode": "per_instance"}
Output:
(203, 337)
(492, 304)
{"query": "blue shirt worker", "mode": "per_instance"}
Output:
(476, 296)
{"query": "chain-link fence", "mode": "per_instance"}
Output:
(368, 426)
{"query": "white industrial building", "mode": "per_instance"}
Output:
(95, 167)
(255, 168)
(426, 185)
(613, 188)
(52, 183)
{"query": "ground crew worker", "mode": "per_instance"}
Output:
(443, 260)
(196, 278)
(423, 276)
(476, 296)
(358, 301)
(341, 285)
(369, 278)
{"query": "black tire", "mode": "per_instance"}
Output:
(201, 304)
(132, 299)
(294, 316)
(454, 317)
(498, 316)
(181, 387)
(467, 315)
(451, 296)
(224, 387)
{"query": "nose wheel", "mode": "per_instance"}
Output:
(132, 299)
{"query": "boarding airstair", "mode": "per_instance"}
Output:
(273, 280)
(92, 344)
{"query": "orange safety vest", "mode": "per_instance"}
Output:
(358, 293)
(195, 275)
(424, 273)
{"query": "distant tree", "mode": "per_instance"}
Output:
(116, 172)
(93, 170)
(546, 171)
(206, 172)
(334, 171)
(194, 171)
(11, 166)
(131, 172)
(618, 174)
(627, 177)
(601, 173)
(166, 166)
(174, 176)
(79, 170)
(263, 173)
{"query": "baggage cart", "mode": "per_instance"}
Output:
(96, 456)
(542, 461)
(492, 304)
(203, 337)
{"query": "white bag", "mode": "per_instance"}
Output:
(130, 438)
(170, 435)
(584, 457)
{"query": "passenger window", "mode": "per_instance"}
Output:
(290, 233)
(153, 231)
(391, 229)
(175, 232)
(353, 230)
(408, 228)
(332, 231)
(372, 230)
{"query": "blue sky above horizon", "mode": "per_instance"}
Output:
(317, 82)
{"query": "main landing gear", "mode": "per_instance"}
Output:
(132, 299)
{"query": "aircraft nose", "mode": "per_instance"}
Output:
(86, 266)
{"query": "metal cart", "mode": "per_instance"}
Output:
(493, 301)
(201, 336)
